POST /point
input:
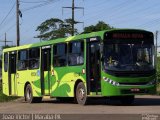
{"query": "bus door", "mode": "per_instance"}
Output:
(12, 74)
(45, 70)
(93, 66)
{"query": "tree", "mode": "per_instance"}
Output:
(98, 27)
(55, 28)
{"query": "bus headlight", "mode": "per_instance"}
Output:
(152, 82)
(114, 83)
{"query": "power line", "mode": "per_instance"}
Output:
(5, 40)
(40, 5)
(29, 29)
(7, 21)
(115, 8)
(143, 10)
(34, 1)
(157, 20)
(7, 14)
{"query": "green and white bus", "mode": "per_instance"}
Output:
(113, 63)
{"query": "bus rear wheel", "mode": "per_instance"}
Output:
(81, 95)
(29, 95)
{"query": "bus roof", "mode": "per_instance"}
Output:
(76, 37)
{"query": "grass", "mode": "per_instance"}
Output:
(5, 98)
(158, 75)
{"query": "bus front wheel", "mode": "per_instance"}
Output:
(81, 95)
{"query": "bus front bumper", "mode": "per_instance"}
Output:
(121, 90)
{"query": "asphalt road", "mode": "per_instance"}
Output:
(143, 105)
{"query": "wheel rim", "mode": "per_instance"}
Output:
(81, 94)
(28, 94)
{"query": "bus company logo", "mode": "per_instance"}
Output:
(150, 117)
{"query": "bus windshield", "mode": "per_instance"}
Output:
(128, 57)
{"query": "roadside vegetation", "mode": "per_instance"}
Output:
(158, 75)
(4, 98)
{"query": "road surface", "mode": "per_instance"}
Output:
(143, 105)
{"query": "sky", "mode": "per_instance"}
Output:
(139, 14)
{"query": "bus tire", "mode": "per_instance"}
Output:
(29, 95)
(127, 100)
(81, 94)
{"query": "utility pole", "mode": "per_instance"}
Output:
(73, 15)
(5, 40)
(73, 21)
(17, 22)
(156, 38)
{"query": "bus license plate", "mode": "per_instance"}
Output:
(135, 90)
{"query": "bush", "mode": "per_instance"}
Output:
(158, 75)
(158, 69)
(5, 98)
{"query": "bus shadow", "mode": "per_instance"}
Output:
(137, 102)
(107, 102)
(147, 102)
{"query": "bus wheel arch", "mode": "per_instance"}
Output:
(80, 93)
(25, 90)
(75, 85)
(29, 94)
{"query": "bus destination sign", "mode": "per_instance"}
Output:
(127, 35)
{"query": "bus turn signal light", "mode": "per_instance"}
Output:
(83, 71)
(52, 72)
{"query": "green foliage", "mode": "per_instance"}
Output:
(158, 75)
(98, 27)
(55, 28)
(5, 98)
(158, 69)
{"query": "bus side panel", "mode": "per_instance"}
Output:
(63, 81)
(31, 76)
(22, 77)
(35, 82)
(5, 83)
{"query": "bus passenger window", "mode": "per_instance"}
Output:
(76, 53)
(34, 55)
(5, 62)
(60, 55)
(22, 60)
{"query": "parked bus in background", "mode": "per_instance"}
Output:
(113, 63)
